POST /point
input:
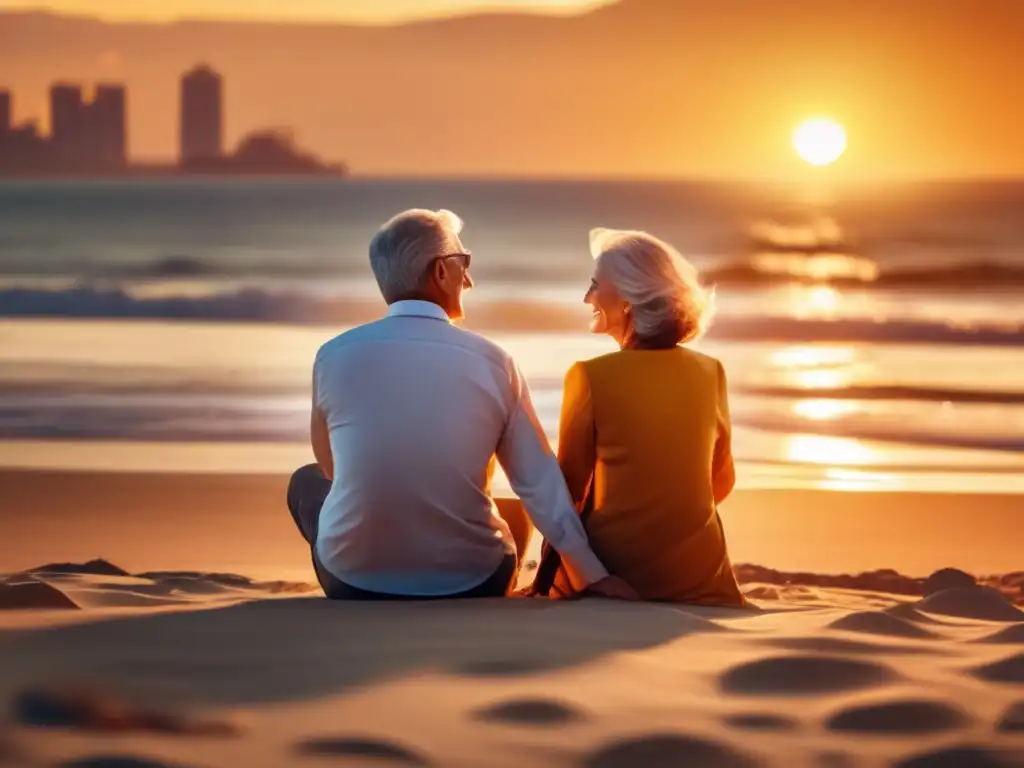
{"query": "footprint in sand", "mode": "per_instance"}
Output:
(366, 748)
(1009, 671)
(1012, 635)
(807, 675)
(92, 710)
(668, 750)
(965, 757)
(534, 712)
(840, 646)
(1012, 720)
(117, 761)
(905, 717)
(879, 623)
(762, 721)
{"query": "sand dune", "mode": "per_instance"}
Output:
(1013, 635)
(24, 592)
(189, 669)
(1009, 670)
(984, 603)
(99, 584)
(887, 580)
(909, 612)
(947, 578)
(880, 623)
(1012, 720)
(98, 567)
(825, 644)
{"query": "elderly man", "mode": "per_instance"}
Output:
(409, 413)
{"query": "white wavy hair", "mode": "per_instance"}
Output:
(404, 248)
(667, 300)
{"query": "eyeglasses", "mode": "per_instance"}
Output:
(465, 258)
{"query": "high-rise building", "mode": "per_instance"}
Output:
(108, 126)
(6, 109)
(68, 123)
(202, 115)
(24, 148)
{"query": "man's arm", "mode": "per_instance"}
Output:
(319, 436)
(534, 474)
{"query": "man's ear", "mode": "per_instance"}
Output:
(430, 277)
(440, 270)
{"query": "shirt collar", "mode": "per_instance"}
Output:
(416, 308)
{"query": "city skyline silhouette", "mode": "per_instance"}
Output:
(89, 134)
(640, 88)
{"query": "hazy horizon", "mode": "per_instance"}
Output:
(343, 12)
(686, 91)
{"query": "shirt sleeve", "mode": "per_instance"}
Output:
(723, 472)
(533, 472)
(577, 449)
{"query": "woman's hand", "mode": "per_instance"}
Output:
(613, 588)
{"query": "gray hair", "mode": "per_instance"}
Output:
(668, 303)
(404, 248)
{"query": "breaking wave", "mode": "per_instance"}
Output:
(309, 307)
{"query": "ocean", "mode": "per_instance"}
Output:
(873, 337)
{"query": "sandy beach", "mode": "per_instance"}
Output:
(237, 522)
(824, 198)
(198, 641)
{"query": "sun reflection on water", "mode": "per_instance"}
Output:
(839, 479)
(817, 267)
(815, 367)
(828, 451)
(820, 301)
(823, 409)
(807, 356)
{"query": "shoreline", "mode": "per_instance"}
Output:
(238, 522)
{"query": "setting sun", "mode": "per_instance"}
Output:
(820, 141)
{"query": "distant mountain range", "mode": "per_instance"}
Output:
(643, 87)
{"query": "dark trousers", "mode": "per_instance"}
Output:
(307, 492)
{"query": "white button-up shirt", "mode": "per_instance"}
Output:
(418, 410)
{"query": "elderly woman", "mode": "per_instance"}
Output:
(644, 437)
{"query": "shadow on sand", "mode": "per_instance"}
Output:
(299, 648)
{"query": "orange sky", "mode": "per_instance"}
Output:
(363, 11)
(646, 88)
